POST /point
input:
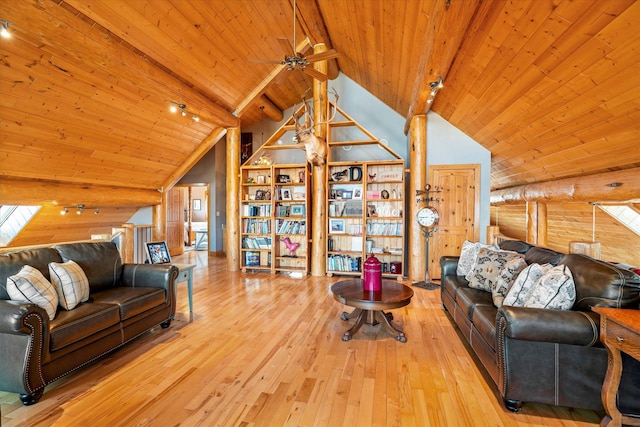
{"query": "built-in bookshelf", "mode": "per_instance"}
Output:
(365, 216)
(274, 218)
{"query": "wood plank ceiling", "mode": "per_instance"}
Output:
(550, 87)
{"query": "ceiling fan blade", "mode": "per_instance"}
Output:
(315, 74)
(330, 54)
(286, 45)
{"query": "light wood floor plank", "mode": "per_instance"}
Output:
(267, 350)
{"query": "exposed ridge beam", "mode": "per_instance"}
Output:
(618, 186)
(312, 22)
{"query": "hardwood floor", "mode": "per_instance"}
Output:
(266, 350)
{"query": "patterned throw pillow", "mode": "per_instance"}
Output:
(519, 291)
(30, 285)
(506, 278)
(70, 282)
(468, 256)
(554, 290)
(488, 266)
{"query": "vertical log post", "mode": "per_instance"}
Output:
(537, 223)
(128, 242)
(493, 232)
(417, 248)
(159, 213)
(318, 244)
(233, 199)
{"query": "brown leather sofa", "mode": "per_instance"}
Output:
(125, 301)
(547, 356)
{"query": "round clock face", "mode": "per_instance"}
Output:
(428, 216)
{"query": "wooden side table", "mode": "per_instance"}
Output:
(185, 274)
(619, 331)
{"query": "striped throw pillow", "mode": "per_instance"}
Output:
(70, 282)
(30, 285)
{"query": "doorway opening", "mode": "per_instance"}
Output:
(196, 217)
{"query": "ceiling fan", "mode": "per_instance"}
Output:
(296, 60)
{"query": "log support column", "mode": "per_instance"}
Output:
(128, 242)
(537, 223)
(318, 244)
(416, 243)
(233, 199)
(159, 213)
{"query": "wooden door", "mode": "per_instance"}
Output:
(455, 190)
(175, 220)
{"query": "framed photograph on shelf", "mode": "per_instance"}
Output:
(336, 226)
(283, 179)
(357, 194)
(259, 195)
(286, 194)
(347, 195)
(297, 210)
(261, 179)
(158, 253)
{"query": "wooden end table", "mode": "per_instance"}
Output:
(619, 331)
(369, 306)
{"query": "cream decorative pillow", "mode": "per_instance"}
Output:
(30, 285)
(70, 282)
(506, 278)
(488, 266)
(554, 290)
(468, 257)
(521, 288)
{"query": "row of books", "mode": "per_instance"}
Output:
(344, 263)
(256, 210)
(252, 259)
(256, 226)
(291, 227)
(384, 229)
(256, 242)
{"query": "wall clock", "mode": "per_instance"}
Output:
(428, 216)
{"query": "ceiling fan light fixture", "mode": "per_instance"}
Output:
(4, 28)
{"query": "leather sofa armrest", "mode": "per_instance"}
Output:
(544, 325)
(24, 336)
(150, 276)
(449, 265)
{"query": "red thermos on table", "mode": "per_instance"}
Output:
(372, 275)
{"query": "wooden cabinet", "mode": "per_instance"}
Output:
(273, 217)
(365, 216)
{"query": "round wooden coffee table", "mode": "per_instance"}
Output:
(369, 306)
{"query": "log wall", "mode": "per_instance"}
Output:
(573, 222)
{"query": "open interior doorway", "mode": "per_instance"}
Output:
(196, 217)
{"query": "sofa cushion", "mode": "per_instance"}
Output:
(599, 283)
(30, 285)
(524, 283)
(11, 264)
(484, 319)
(488, 266)
(468, 256)
(515, 246)
(100, 261)
(85, 320)
(131, 301)
(554, 290)
(70, 282)
(506, 278)
(467, 299)
(543, 256)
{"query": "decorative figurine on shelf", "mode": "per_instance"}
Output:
(340, 176)
(263, 160)
(291, 246)
(372, 177)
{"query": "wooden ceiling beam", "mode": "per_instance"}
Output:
(618, 186)
(312, 22)
(30, 192)
(204, 147)
(447, 28)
